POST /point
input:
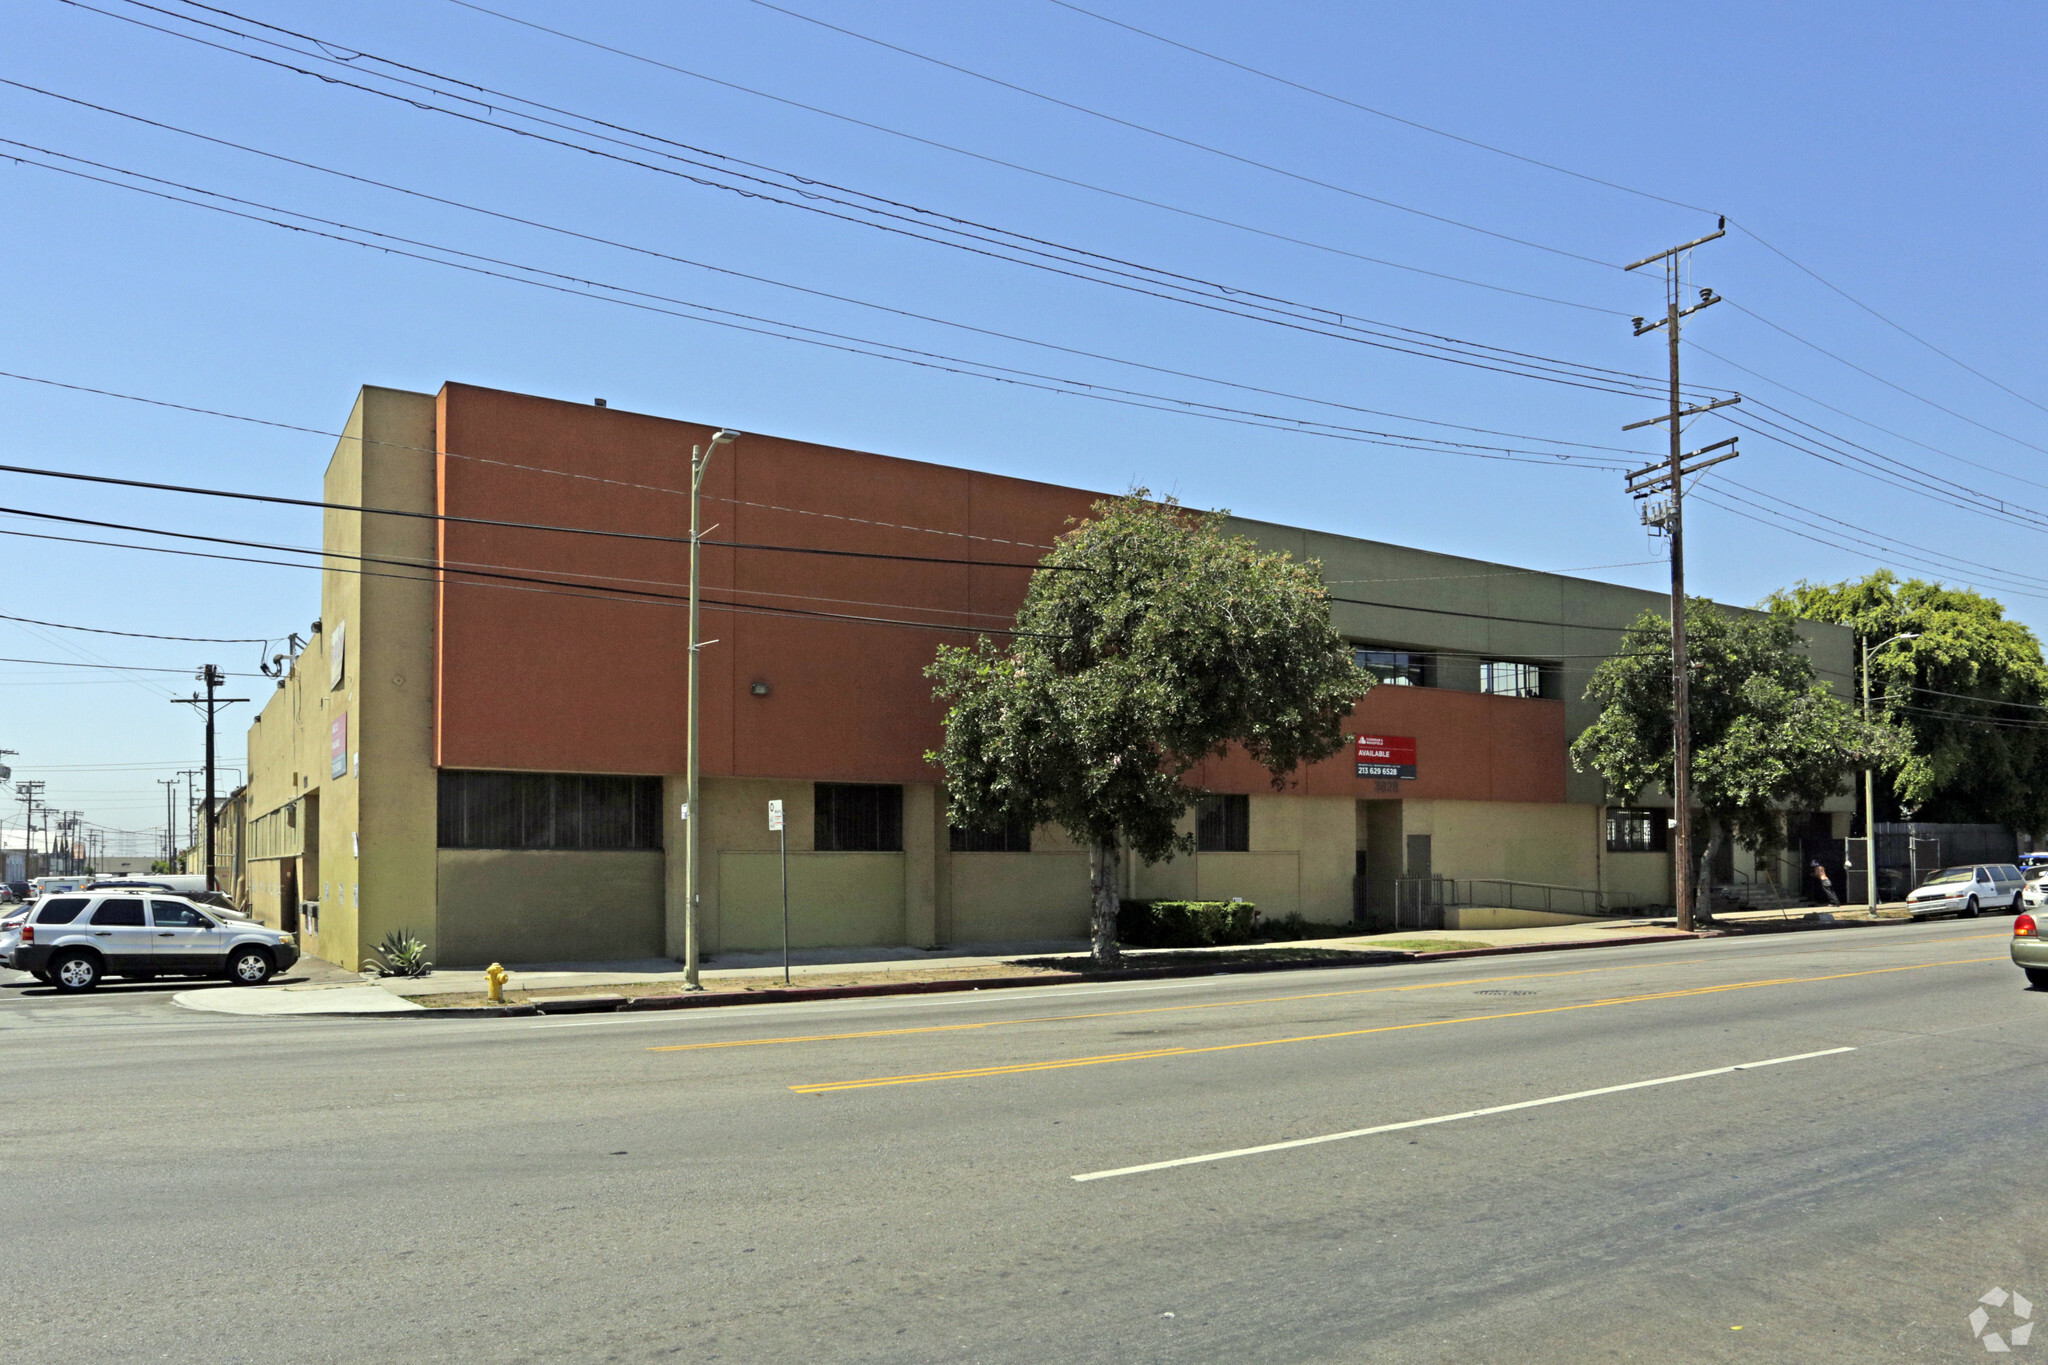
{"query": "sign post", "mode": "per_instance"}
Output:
(782, 837)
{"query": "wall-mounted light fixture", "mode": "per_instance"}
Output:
(759, 689)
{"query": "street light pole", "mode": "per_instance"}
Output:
(693, 814)
(1870, 784)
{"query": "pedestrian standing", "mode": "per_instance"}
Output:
(1827, 886)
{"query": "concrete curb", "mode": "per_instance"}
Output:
(587, 1004)
(1509, 948)
(797, 994)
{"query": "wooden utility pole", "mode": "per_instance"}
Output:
(213, 678)
(1669, 516)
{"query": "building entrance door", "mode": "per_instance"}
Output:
(288, 895)
(1379, 861)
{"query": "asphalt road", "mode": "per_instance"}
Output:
(895, 1180)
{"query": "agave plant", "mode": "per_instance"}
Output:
(400, 954)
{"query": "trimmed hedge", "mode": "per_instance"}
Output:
(1184, 924)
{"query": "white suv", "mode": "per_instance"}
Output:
(73, 942)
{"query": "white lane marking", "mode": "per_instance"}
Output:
(1453, 1118)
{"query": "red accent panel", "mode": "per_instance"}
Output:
(1468, 747)
(547, 681)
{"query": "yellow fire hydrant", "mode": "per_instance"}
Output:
(495, 974)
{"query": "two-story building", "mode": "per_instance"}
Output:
(484, 741)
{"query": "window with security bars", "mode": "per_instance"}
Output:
(1502, 679)
(582, 811)
(1223, 824)
(858, 817)
(1014, 837)
(1636, 831)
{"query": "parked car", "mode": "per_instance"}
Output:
(2029, 953)
(176, 883)
(217, 901)
(1967, 890)
(10, 930)
(76, 941)
(2034, 896)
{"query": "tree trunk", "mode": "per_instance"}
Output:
(1703, 902)
(1102, 885)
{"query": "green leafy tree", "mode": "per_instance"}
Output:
(1767, 734)
(1970, 695)
(1148, 640)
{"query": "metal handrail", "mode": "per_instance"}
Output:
(1427, 897)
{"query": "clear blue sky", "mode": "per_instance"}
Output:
(1894, 150)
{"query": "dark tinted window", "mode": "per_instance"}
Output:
(1397, 666)
(123, 913)
(60, 911)
(549, 810)
(1012, 838)
(1223, 824)
(171, 915)
(858, 818)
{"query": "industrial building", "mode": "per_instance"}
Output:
(483, 740)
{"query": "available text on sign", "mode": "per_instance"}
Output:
(1386, 756)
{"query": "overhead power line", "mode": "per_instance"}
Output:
(1934, 560)
(1864, 421)
(1900, 388)
(592, 585)
(1886, 469)
(1895, 326)
(811, 193)
(1019, 166)
(475, 578)
(760, 279)
(1368, 109)
(646, 301)
(139, 635)
(119, 668)
(1807, 531)
(1190, 142)
(445, 517)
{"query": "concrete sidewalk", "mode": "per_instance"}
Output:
(736, 973)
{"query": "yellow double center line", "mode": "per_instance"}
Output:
(1119, 1014)
(970, 1073)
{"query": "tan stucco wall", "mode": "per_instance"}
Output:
(533, 905)
(1300, 861)
(736, 820)
(1547, 844)
(368, 835)
(938, 896)
(1640, 878)
(1007, 897)
(835, 900)
(390, 684)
